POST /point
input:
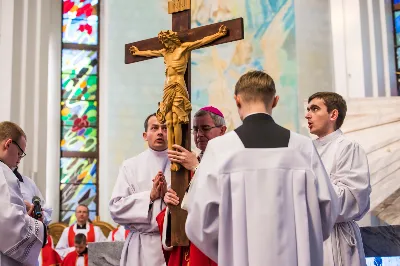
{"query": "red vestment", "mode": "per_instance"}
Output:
(89, 238)
(49, 256)
(72, 257)
(183, 256)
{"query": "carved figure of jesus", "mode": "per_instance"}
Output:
(174, 110)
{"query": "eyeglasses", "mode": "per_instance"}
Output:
(203, 129)
(23, 154)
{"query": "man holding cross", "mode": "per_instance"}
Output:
(137, 197)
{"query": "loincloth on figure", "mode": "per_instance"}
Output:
(175, 100)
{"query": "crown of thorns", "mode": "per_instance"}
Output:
(168, 35)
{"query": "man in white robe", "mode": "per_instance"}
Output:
(22, 236)
(30, 190)
(82, 226)
(266, 199)
(347, 164)
(137, 197)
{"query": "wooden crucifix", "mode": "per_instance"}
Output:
(178, 84)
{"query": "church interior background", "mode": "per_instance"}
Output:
(65, 82)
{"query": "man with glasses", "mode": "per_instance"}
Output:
(22, 236)
(208, 124)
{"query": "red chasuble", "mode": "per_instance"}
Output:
(90, 237)
(183, 256)
(49, 256)
(72, 258)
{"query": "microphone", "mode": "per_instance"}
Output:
(37, 209)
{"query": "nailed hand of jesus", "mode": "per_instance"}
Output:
(171, 197)
(184, 157)
(159, 187)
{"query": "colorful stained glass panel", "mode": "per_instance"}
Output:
(398, 57)
(73, 195)
(397, 26)
(78, 170)
(80, 9)
(396, 2)
(79, 62)
(79, 139)
(80, 31)
(76, 87)
(79, 114)
(68, 217)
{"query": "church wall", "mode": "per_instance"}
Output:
(274, 37)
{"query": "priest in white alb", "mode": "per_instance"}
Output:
(82, 226)
(347, 164)
(261, 195)
(21, 236)
(137, 197)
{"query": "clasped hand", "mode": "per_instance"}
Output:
(184, 157)
(159, 187)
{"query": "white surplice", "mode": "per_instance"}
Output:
(260, 207)
(29, 190)
(347, 164)
(130, 207)
(119, 234)
(21, 236)
(63, 248)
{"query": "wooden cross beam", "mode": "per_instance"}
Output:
(181, 24)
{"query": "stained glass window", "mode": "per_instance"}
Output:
(79, 108)
(396, 26)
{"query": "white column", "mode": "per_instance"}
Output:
(53, 109)
(6, 55)
(339, 47)
(106, 182)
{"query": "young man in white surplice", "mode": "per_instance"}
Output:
(93, 233)
(21, 236)
(137, 197)
(347, 164)
(261, 195)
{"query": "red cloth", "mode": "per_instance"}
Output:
(89, 238)
(113, 232)
(72, 257)
(179, 256)
(49, 256)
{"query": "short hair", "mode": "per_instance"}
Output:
(10, 130)
(80, 239)
(146, 122)
(332, 101)
(256, 85)
(82, 205)
(218, 120)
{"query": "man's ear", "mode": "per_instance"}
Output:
(238, 100)
(333, 116)
(145, 136)
(6, 144)
(223, 130)
(275, 101)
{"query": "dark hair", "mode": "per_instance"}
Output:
(146, 122)
(255, 86)
(332, 101)
(80, 239)
(82, 205)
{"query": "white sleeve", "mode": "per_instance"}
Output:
(21, 236)
(127, 206)
(62, 248)
(352, 183)
(202, 204)
(327, 199)
(99, 235)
